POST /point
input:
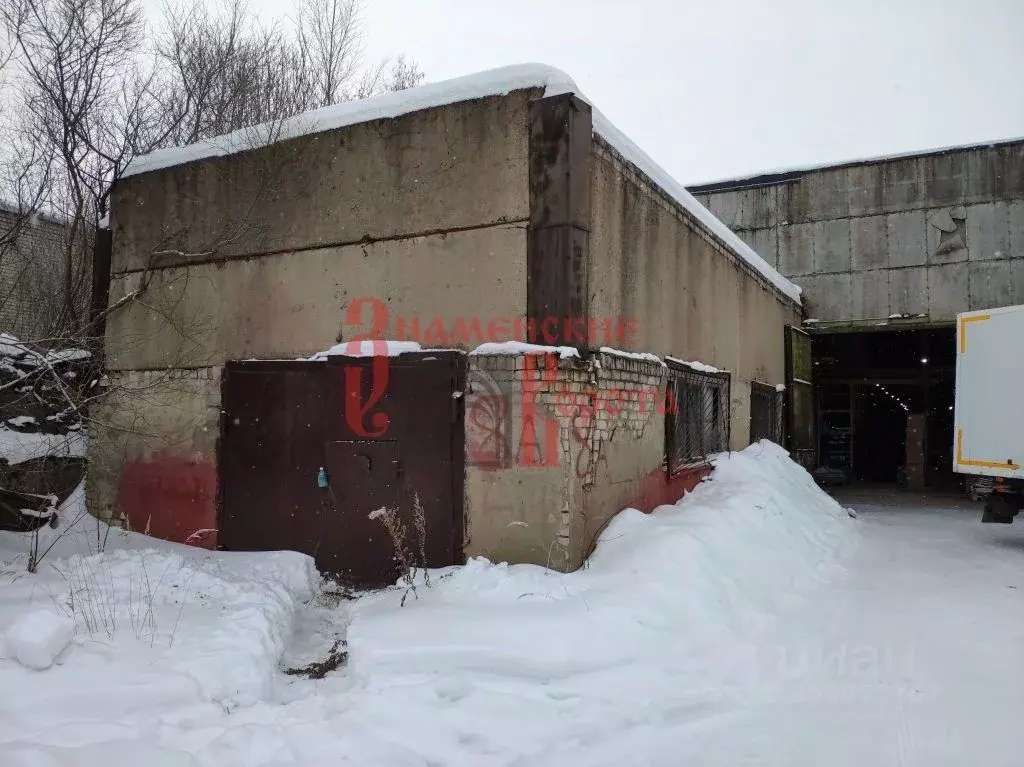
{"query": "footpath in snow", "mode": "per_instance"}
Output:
(177, 652)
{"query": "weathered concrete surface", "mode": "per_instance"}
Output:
(152, 453)
(932, 234)
(690, 297)
(686, 295)
(464, 165)
(294, 304)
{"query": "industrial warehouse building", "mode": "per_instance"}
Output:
(463, 216)
(888, 252)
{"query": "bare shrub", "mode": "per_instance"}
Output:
(410, 548)
(93, 602)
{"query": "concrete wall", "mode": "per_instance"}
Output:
(262, 255)
(297, 303)
(933, 234)
(440, 170)
(152, 444)
(690, 297)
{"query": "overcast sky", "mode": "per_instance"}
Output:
(720, 88)
(715, 89)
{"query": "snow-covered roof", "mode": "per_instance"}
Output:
(779, 175)
(495, 82)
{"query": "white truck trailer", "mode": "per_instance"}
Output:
(988, 428)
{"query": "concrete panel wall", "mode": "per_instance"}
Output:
(464, 165)
(294, 304)
(600, 421)
(899, 232)
(152, 453)
(261, 255)
(690, 297)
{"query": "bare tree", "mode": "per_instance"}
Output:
(330, 39)
(224, 71)
(24, 177)
(90, 94)
(87, 108)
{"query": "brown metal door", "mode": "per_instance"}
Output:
(272, 441)
(363, 476)
(282, 421)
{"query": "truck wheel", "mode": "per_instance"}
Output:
(1000, 509)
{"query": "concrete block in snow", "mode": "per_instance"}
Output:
(37, 638)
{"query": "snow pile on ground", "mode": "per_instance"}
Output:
(17, 446)
(704, 575)
(490, 664)
(156, 625)
(37, 638)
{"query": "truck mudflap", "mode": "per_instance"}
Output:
(1001, 508)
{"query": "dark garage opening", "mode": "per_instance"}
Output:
(885, 406)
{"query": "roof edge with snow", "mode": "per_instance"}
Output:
(495, 82)
(782, 175)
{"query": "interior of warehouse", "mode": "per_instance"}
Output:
(884, 406)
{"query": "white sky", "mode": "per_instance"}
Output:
(721, 88)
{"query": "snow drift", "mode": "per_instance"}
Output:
(491, 664)
(705, 574)
(149, 615)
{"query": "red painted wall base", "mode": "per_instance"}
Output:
(657, 489)
(171, 498)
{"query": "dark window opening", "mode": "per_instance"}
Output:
(696, 416)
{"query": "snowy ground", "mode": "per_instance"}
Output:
(755, 623)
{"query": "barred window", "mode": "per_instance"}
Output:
(766, 411)
(696, 416)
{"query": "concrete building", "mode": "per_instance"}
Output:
(494, 208)
(888, 251)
